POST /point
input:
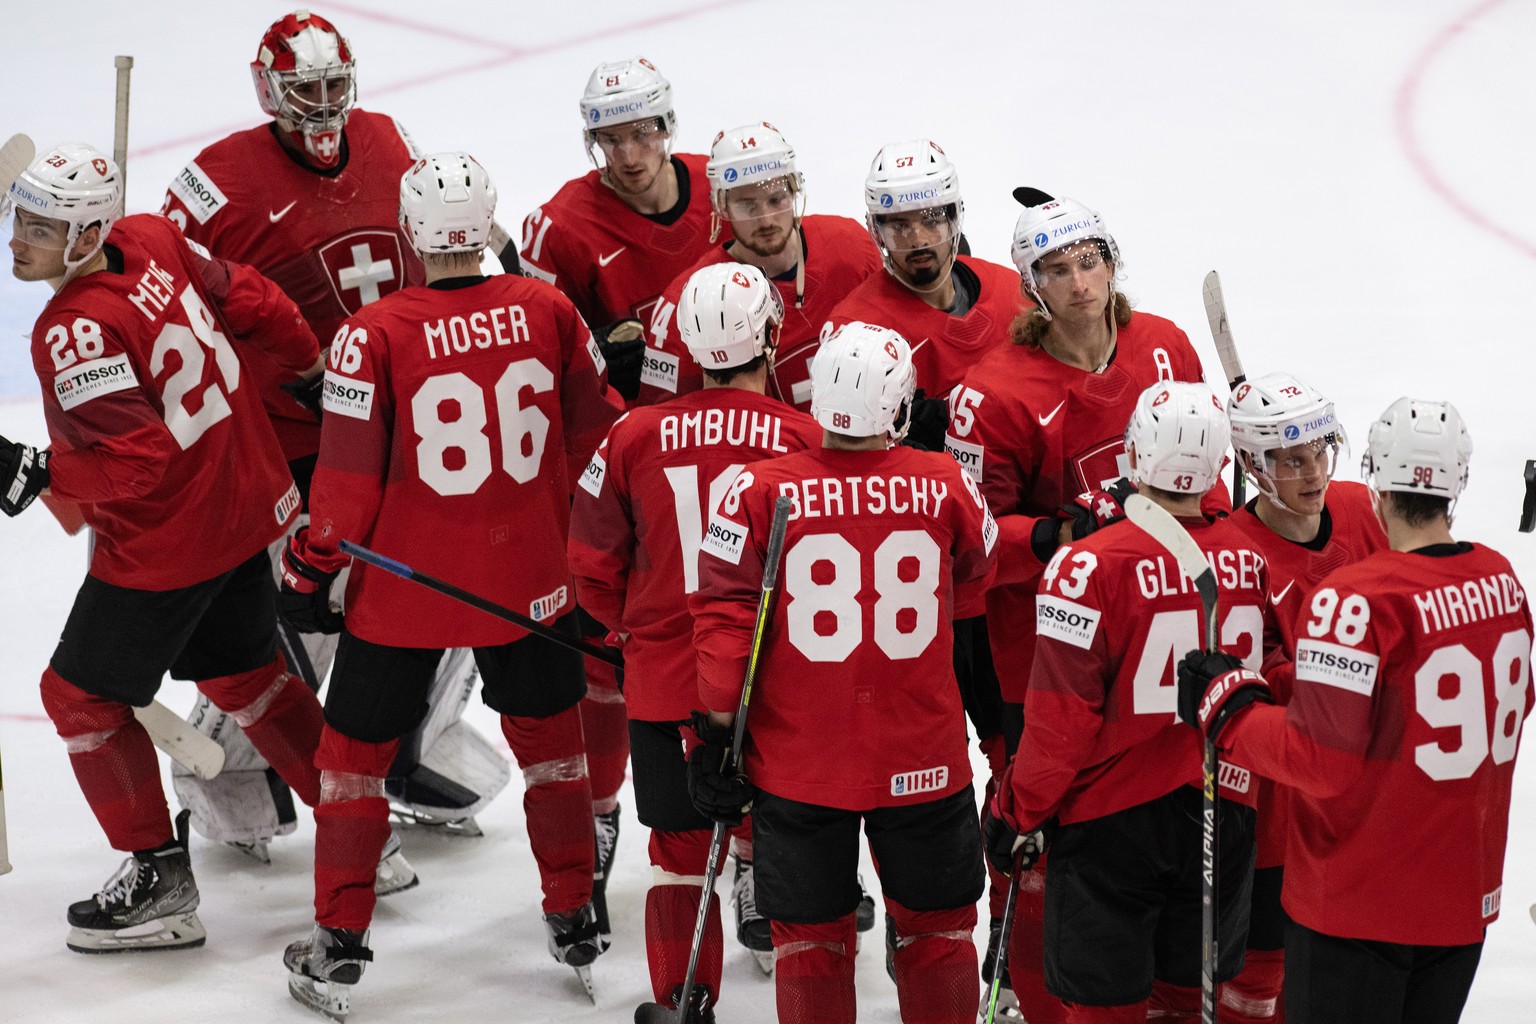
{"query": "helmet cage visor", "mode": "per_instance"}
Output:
(932, 227)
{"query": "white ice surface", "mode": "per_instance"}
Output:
(1358, 172)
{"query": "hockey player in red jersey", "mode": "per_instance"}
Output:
(611, 241)
(1105, 775)
(158, 435)
(813, 260)
(636, 528)
(1288, 439)
(1037, 422)
(1412, 680)
(456, 416)
(855, 715)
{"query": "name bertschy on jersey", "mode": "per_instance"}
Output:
(860, 495)
(1460, 604)
(485, 328)
(721, 426)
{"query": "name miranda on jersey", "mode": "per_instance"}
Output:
(455, 335)
(721, 426)
(858, 495)
(1460, 604)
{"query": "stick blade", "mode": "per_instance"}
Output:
(1159, 523)
(16, 155)
(1221, 331)
(179, 738)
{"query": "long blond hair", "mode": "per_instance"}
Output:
(1029, 327)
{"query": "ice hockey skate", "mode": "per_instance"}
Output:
(605, 828)
(395, 873)
(150, 903)
(752, 929)
(1007, 1001)
(323, 968)
(573, 941)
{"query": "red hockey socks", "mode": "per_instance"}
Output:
(1175, 1002)
(813, 971)
(1133, 1013)
(936, 967)
(351, 827)
(114, 762)
(1026, 953)
(557, 803)
(605, 727)
(671, 911)
(1253, 997)
(280, 716)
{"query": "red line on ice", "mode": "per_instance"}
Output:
(1407, 97)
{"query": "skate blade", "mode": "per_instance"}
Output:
(389, 880)
(178, 931)
(764, 959)
(461, 828)
(328, 998)
(255, 849)
(584, 975)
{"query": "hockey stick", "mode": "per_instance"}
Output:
(5, 854)
(504, 249)
(534, 626)
(1000, 958)
(1528, 510)
(120, 121)
(1231, 365)
(1160, 525)
(199, 754)
(655, 1013)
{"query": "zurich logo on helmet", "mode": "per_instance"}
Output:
(596, 116)
(885, 199)
(1041, 239)
(730, 174)
(1292, 432)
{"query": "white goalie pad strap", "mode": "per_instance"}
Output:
(791, 948)
(232, 807)
(660, 877)
(338, 786)
(604, 695)
(251, 714)
(566, 769)
(87, 742)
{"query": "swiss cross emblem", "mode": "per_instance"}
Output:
(1242, 391)
(100, 165)
(1162, 396)
(890, 350)
(741, 279)
(363, 266)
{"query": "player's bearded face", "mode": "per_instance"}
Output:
(37, 247)
(762, 215)
(633, 155)
(1076, 282)
(921, 243)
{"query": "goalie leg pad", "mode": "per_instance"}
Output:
(935, 962)
(813, 971)
(281, 717)
(446, 771)
(671, 911)
(557, 803)
(247, 802)
(351, 828)
(114, 762)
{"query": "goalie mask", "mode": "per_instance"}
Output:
(729, 315)
(1052, 225)
(74, 186)
(1286, 429)
(912, 206)
(1418, 447)
(625, 92)
(861, 382)
(1178, 434)
(447, 202)
(305, 79)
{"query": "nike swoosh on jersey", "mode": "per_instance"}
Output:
(280, 214)
(1275, 599)
(1045, 420)
(603, 261)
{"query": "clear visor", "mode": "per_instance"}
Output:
(38, 232)
(762, 199)
(316, 99)
(649, 134)
(932, 228)
(1317, 459)
(1085, 256)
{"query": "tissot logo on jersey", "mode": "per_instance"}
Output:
(592, 477)
(85, 381)
(970, 456)
(198, 193)
(549, 605)
(725, 539)
(1067, 621)
(347, 397)
(1318, 661)
(925, 780)
(659, 370)
(864, 495)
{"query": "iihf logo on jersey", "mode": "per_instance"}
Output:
(924, 781)
(545, 607)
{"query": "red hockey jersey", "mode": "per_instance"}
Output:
(639, 517)
(331, 242)
(1412, 682)
(838, 257)
(944, 346)
(157, 430)
(1115, 614)
(1034, 432)
(612, 262)
(455, 420)
(855, 704)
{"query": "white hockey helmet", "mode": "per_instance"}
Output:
(306, 79)
(74, 183)
(749, 155)
(1278, 411)
(622, 92)
(1179, 431)
(913, 175)
(1051, 225)
(729, 315)
(1418, 447)
(447, 202)
(861, 381)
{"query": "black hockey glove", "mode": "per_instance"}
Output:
(929, 420)
(623, 346)
(23, 475)
(307, 393)
(1003, 844)
(1213, 688)
(1094, 510)
(305, 599)
(716, 795)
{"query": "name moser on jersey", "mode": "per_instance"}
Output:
(855, 718)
